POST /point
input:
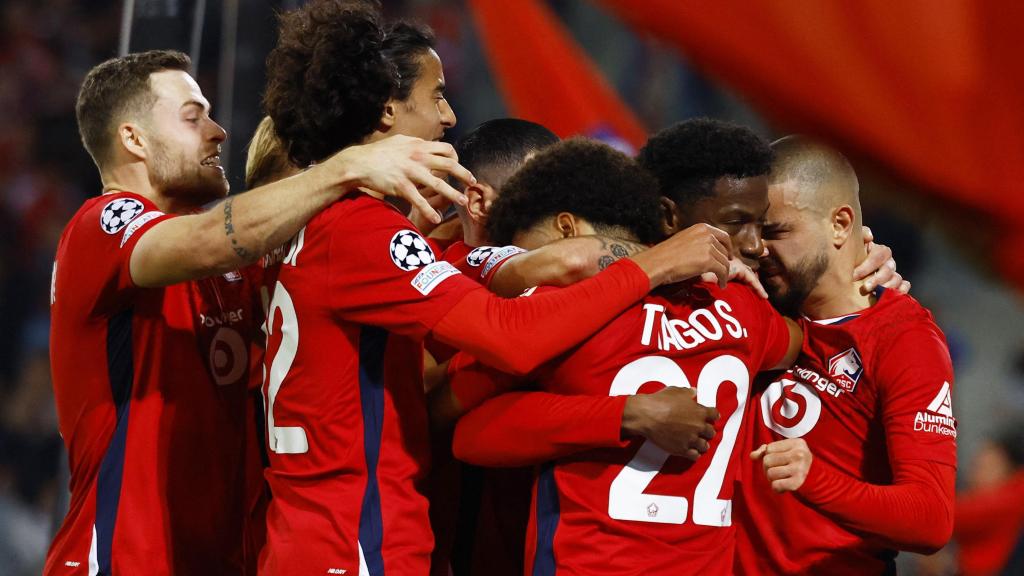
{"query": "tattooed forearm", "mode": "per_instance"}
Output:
(229, 231)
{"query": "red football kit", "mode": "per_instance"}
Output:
(150, 386)
(635, 509)
(871, 395)
(356, 292)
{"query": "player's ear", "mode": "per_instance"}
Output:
(669, 217)
(390, 115)
(479, 196)
(132, 140)
(567, 225)
(843, 220)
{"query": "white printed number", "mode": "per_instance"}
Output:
(283, 439)
(626, 497)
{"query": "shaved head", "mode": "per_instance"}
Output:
(812, 230)
(815, 176)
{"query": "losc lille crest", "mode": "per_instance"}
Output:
(846, 369)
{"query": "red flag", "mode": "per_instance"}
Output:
(545, 76)
(931, 90)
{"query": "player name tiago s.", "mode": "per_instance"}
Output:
(703, 324)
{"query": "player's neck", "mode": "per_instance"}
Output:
(835, 295)
(473, 234)
(131, 177)
(135, 178)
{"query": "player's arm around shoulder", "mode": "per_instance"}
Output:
(560, 263)
(240, 229)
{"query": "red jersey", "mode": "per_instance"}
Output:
(356, 293)
(150, 386)
(636, 509)
(867, 390)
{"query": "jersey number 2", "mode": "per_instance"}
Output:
(626, 497)
(282, 439)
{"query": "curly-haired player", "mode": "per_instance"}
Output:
(357, 292)
(351, 79)
(640, 497)
(585, 192)
(710, 171)
(152, 321)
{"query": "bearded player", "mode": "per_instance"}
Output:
(856, 444)
(357, 291)
(150, 362)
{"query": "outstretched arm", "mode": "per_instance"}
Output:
(570, 260)
(241, 228)
(520, 334)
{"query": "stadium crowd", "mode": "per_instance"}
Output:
(347, 471)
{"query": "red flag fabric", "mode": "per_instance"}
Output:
(930, 90)
(546, 77)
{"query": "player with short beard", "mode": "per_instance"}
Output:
(856, 454)
(357, 291)
(151, 321)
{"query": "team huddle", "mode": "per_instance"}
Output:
(690, 361)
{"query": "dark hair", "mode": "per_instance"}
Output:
(327, 79)
(502, 145)
(404, 43)
(586, 178)
(689, 157)
(117, 88)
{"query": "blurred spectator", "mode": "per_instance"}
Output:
(990, 512)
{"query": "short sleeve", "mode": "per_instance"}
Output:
(383, 272)
(914, 374)
(99, 244)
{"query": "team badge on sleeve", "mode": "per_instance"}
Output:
(846, 369)
(479, 255)
(118, 213)
(410, 251)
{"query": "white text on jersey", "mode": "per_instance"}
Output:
(702, 325)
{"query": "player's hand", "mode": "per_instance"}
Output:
(401, 166)
(786, 463)
(672, 419)
(879, 268)
(740, 272)
(687, 254)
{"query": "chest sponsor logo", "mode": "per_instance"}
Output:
(846, 369)
(226, 317)
(938, 418)
(790, 408)
(410, 251)
(118, 213)
(479, 255)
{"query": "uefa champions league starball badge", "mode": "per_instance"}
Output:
(410, 251)
(118, 213)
